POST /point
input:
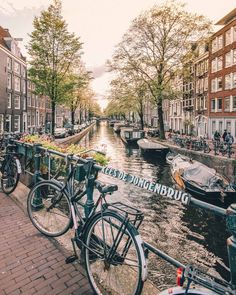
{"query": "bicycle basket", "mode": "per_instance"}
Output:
(135, 216)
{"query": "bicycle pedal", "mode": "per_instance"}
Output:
(71, 259)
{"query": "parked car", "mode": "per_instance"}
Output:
(60, 133)
(83, 125)
(70, 128)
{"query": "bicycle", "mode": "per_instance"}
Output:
(107, 233)
(10, 164)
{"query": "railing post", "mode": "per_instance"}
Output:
(37, 201)
(90, 188)
(231, 241)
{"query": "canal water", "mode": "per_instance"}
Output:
(190, 235)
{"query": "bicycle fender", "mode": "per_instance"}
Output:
(143, 259)
(18, 165)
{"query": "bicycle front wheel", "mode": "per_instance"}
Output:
(10, 174)
(114, 257)
(49, 209)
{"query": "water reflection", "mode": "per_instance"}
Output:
(189, 234)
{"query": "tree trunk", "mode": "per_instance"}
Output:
(72, 113)
(53, 116)
(160, 119)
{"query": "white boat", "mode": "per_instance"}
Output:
(148, 145)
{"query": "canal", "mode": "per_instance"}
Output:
(190, 235)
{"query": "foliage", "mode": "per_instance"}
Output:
(53, 50)
(71, 149)
(155, 47)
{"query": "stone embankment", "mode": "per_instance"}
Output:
(75, 138)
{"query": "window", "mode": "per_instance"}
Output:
(220, 127)
(227, 81)
(234, 80)
(17, 84)
(213, 104)
(213, 85)
(214, 45)
(219, 84)
(228, 59)
(234, 33)
(234, 103)
(8, 123)
(234, 56)
(219, 104)
(17, 102)
(23, 71)
(24, 103)
(220, 42)
(228, 126)
(206, 84)
(213, 126)
(9, 63)
(17, 123)
(227, 104)
(9, 81)
(228, 37)
(213, 65)
(29, 101)
(23, 86)
(17, 67)
(9, 100)
(219, 63)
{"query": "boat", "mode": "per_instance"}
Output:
(131, 135)
(147, 145)
(117, 126)
(200, 180)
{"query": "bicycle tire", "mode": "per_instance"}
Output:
(10, 175)
(102, 274)
(49, 209)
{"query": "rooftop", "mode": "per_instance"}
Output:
(227, 18)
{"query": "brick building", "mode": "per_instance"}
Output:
(201, 90)
(222, 77)
(13, 85)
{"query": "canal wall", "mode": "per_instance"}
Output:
(75, 138)
(223, 165)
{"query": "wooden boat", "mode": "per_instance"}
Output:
(147, 145)
(130, 135)
(199, 180)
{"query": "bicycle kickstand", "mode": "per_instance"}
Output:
(73, 257)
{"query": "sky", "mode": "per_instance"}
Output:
(100, 25)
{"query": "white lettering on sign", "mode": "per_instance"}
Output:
(157, 188)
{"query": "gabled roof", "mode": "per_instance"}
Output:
(227, 18)
(4, 33)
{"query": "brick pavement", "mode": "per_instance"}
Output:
(31, 263)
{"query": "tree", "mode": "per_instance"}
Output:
(76, 83)
(131, 95)
(52, 51)
(155, 46)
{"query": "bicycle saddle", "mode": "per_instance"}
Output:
(106, 188)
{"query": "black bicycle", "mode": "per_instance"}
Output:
(106, 233)
(10, 166)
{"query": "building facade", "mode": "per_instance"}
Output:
(13, 92)
(222, 77)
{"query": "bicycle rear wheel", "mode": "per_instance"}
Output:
(49, 209)
(10, 174)
(114, 256)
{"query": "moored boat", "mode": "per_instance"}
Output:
(200, 180)
(147, 145)
(130, 135)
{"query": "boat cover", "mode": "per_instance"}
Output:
(202, 175)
